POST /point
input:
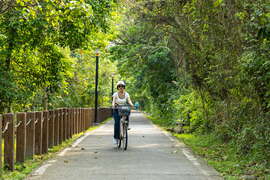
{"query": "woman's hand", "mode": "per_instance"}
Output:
(114, 105)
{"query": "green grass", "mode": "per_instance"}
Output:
(222, 156)
(160, 122)
(23, 169)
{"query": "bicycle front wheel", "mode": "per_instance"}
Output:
(125, 137)
(120, 136)
(118, 143)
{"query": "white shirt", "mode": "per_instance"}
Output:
(121, 101)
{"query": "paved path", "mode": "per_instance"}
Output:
(151, 155)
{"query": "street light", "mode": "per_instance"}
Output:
(112, 84)
(112, 89)
(96, 87)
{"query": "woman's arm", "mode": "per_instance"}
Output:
(129, 102)
(113, 102)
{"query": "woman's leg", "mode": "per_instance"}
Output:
(116, 124)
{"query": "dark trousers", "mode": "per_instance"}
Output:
(117, 124)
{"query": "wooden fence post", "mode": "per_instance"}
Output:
(86, 118)
(102, 114)
(69, 123)
(78, 120)
(75, 120)
(9, 141)
(30, 134)
(65, 124)
(99, 115)
(61, 125)
(38, 133)
(51, 129)
(21, 137)
(83, 120)
(1, 161)
(72, 122)
(92, 117)
(45, 132)
(80, 117)
(56, 127)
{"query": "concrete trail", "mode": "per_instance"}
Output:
(152, 154)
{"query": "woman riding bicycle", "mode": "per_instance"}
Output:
(120, 98)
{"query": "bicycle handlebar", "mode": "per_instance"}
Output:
(119, 106)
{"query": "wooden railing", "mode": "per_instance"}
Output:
(36, 132)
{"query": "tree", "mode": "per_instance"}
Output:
(218, 51)
(32, 34)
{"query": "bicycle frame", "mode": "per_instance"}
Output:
(124, 112)
(123, 133)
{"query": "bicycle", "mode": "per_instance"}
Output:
(124, 112)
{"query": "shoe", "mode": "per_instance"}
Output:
(129, 128)
(115, 141)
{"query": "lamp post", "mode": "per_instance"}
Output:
(112, 88)
(96, 87)
(112, 84)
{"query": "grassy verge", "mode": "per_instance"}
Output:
(23, 169)
(222, 156)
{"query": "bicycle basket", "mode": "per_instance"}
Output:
(123, 110)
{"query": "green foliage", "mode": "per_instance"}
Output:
(80, 87)
(256, 70)
(203, 65)
(191, 112)
(142, 56)
(36, 41)
(224, 157)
